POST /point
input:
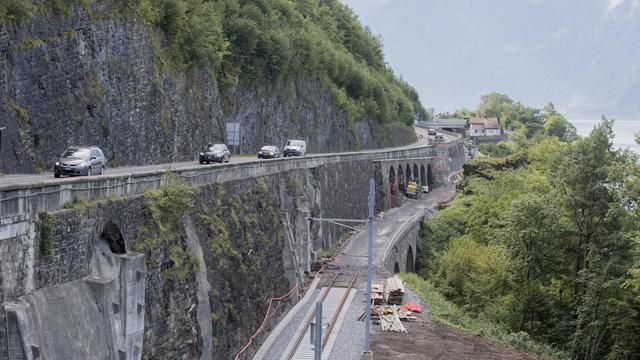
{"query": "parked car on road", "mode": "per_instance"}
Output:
(432, 131)
(269, 152)
(215, 152)
(80, 160)
(295, 148)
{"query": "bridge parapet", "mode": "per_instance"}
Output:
(52, 195)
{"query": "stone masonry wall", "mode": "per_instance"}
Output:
(239, 228)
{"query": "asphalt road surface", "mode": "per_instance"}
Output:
(15, 179)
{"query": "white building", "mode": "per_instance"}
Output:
(484, 127)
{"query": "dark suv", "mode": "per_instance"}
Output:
(80, 160)
(215, 152)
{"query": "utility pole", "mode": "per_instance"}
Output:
(366, 353)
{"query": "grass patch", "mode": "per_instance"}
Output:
(162, 229)
(331, 250)
(450, 314)
(46, 231)
(76, 204)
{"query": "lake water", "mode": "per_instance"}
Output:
(623, 130)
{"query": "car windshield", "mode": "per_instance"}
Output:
(215, 148)
(294, 143)
(76, 153)
(267, 148)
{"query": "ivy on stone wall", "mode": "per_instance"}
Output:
(46, 230)
(162, 229)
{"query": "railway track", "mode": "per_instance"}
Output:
(337, 292)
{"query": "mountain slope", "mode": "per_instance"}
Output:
(581, 54)
(150, 81)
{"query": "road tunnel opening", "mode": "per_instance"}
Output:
(112, 236)
(409, 267)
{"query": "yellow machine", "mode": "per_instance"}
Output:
(413, 189)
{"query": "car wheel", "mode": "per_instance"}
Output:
(102, 170)
(56, 175)
(208, 162)
(201, 161)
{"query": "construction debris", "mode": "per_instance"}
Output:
(390, 316)
(393, 290)
(391, 322)
(377, 294)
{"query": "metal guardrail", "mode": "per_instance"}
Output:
(401, 232)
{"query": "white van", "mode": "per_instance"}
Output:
(295, 148)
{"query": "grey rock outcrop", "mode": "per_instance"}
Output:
(96, 77)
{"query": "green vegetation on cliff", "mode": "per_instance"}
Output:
(266, 41)
(544, 242)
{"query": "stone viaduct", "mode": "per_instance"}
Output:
(167, 265)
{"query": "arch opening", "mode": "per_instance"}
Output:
(392, 180)
(416, 174)
(401, 179)
(409, 266)
(409, 177)
(430, 181)
(113, 237)
(396, 268)
(423, 176)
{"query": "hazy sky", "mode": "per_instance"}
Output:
(583, 55)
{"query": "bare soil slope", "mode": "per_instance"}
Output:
(429, 339)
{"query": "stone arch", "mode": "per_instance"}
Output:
(430, 181)
(396, 268)
(423, 176)
(401, 178)
(392, 180)
(408, 173)
(416, 174)
(113, 237)
(409, 266)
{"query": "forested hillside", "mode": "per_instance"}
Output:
(176, 70)
(541, 243)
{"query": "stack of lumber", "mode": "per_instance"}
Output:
(377, 294)
(406, 315)
(393, 290)
(391, 322)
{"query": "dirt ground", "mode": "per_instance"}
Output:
(428, 339)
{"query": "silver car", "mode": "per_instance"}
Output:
(215, 152)
(269, 152)
(80, 161)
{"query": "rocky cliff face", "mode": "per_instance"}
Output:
(94, 77)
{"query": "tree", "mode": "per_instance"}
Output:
(556, 125)
(532, 235)
(512, 114)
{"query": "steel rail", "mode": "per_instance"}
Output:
(300, 337)
(338, 311)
